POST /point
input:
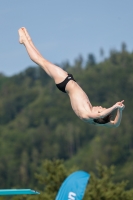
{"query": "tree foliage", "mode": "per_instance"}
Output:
(100, 186)
(37, 122)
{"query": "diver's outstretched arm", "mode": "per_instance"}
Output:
(106, 112)
(118, 105)
(96, 115)
(118, 117)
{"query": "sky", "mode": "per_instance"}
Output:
(63, 29)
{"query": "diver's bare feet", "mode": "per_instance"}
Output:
(22, 36)
(27, 34)
(29, 40)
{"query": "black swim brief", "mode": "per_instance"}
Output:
(61, 86)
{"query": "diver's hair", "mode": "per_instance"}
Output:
(104, 120)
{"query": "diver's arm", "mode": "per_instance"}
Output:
(104, 113)
(107, 111)
(118, 117)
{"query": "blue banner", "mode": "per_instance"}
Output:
(73, 188)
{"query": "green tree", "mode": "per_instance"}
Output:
(91, 60)
(49, 179)
(37, 122)
(102, 187)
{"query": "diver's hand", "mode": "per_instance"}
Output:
(120, 105)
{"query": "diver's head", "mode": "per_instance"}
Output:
(100, 109)
(104, 120)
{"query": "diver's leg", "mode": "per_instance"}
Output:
(52, 70)
(30, 40)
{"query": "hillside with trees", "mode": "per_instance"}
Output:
(37, 122)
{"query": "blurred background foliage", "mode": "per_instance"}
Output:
(37, 122)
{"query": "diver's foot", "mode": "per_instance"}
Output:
(22, 36)
(27, 34)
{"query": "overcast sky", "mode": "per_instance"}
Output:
(63, 29)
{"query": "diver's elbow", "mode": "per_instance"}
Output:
(116, 125)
